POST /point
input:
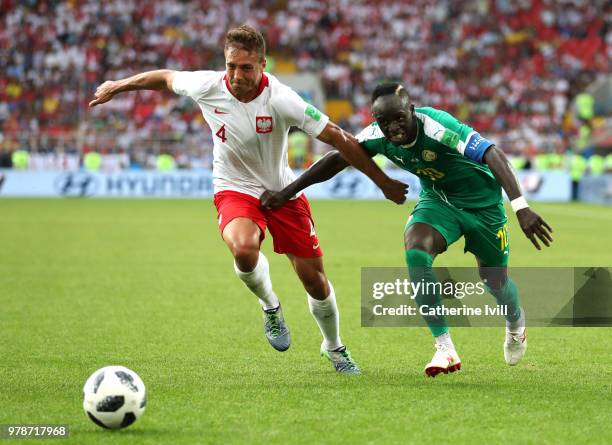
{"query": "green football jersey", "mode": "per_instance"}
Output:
(446, 156)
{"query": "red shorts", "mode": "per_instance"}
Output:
(291, 226)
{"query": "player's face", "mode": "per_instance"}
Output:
(244, 71)
(395, 120)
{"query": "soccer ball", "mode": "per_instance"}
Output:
(114, 397)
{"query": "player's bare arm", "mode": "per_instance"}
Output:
(532, 224)
(325, 168)
(350, 149)
(322, 170)
(150, 80)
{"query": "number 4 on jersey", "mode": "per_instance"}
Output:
(221, 134)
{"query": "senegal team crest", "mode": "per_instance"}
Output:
(429, 155)
(263, 124)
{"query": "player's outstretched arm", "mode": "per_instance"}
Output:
(532, 224)
(325, 168)
(350, 150)
(150, 80)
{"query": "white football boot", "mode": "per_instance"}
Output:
(515, 343)
(444, 360)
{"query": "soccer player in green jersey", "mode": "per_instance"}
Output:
(461, 174)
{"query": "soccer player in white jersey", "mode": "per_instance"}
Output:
(250, 114)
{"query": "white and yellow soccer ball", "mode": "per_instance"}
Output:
(114, 397)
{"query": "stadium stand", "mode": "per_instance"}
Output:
(509, 68)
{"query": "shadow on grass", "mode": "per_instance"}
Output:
(145, 431)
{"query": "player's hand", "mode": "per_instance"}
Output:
(395, 191)
(104, 93)
(534, 227)
(273, 200)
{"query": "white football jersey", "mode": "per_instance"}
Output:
(250, 139)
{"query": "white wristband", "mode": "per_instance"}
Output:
(519, 203)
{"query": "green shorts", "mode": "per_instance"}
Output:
(485, 230)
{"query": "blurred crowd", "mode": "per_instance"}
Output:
(509, 68)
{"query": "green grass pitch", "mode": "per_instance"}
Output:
(149, 284)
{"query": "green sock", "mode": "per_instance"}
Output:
(508, 295)
(419, 267)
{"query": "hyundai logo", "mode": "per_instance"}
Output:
(80, 184)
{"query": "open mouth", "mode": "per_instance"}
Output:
(398, 137)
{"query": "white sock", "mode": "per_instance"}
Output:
(259, 282)
(518, 326)
(325, 313)
(445, 340)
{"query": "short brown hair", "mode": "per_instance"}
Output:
(248, 38)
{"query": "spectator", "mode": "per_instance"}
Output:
(6, 160)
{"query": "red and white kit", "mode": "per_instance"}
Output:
(250, 153)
